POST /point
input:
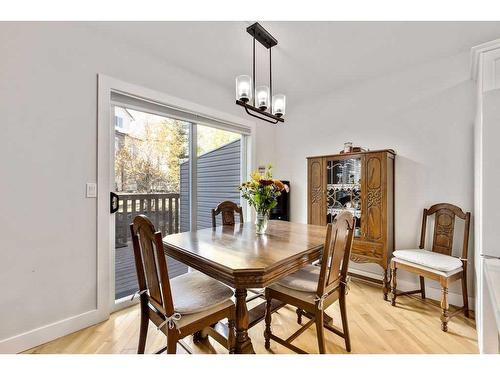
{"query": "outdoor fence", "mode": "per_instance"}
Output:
(161, 208)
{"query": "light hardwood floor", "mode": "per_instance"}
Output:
(376, 327)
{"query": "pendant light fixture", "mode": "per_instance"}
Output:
(259, 101)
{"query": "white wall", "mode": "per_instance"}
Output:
(48, 146)
(425, 114)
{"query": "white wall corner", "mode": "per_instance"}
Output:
(476, 51)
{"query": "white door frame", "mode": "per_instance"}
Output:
(105, 169)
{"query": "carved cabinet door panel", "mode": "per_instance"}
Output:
(374, 196)
(316, 192)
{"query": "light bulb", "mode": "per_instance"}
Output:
(244, 88)
(262, 96)
(279, 104)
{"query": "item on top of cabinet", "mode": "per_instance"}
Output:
(353, 149)
(347, 147)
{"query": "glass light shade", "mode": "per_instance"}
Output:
(244, 88)
(262, 97)
(279, 104)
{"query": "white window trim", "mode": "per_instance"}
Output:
(105, 135)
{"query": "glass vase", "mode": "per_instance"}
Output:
(261, 221)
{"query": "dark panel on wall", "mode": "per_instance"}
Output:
(282, 209)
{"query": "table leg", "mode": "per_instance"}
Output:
(243, 342)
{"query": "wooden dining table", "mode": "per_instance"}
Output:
(242, 259)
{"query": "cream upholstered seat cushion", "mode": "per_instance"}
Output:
(429, 259)
(304, 280)
(194, 292)
(424, 268)
(308, 297)
(187, 319)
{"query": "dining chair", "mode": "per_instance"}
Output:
(179, 306)
(314, 288)
(227, 210)
(437, 264)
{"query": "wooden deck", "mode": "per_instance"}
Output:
(126, 278)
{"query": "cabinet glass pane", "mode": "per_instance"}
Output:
(344, 189)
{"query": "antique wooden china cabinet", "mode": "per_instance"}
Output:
(363, 183)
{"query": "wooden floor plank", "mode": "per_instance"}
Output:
(413, 326)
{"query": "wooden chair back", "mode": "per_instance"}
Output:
(228, 210)
(444, 228)
(151, 265)
(336, 253)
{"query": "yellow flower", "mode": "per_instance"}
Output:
(255, 176)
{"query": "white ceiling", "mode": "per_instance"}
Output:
(310, 58)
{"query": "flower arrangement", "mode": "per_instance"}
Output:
(262, 192)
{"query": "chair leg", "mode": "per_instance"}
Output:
(171, 342)
(299, 316)
(320, 331)
(393, 284)
(422, 287)
(444, 308)
(267, 332)
(465, 295)
(345, 327)
(143, 332)
(231, 339)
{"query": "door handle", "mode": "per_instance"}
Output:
(113, 202)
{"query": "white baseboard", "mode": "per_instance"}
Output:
(454, 299)
(49, 332)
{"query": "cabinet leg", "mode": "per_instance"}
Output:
(385, 287)
(394, 284)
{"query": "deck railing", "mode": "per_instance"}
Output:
(161, 208)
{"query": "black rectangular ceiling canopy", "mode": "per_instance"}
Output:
(262, 35)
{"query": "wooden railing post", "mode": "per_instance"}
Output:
(177, 226)
(170, 216)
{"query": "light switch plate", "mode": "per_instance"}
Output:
(91, 190)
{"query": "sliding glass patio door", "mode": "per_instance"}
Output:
(172, 168)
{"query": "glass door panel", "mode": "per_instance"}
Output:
(218, 173)
(344, 189)
(149, 158)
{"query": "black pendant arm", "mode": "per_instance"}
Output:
(261, 118)
(260, 114)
